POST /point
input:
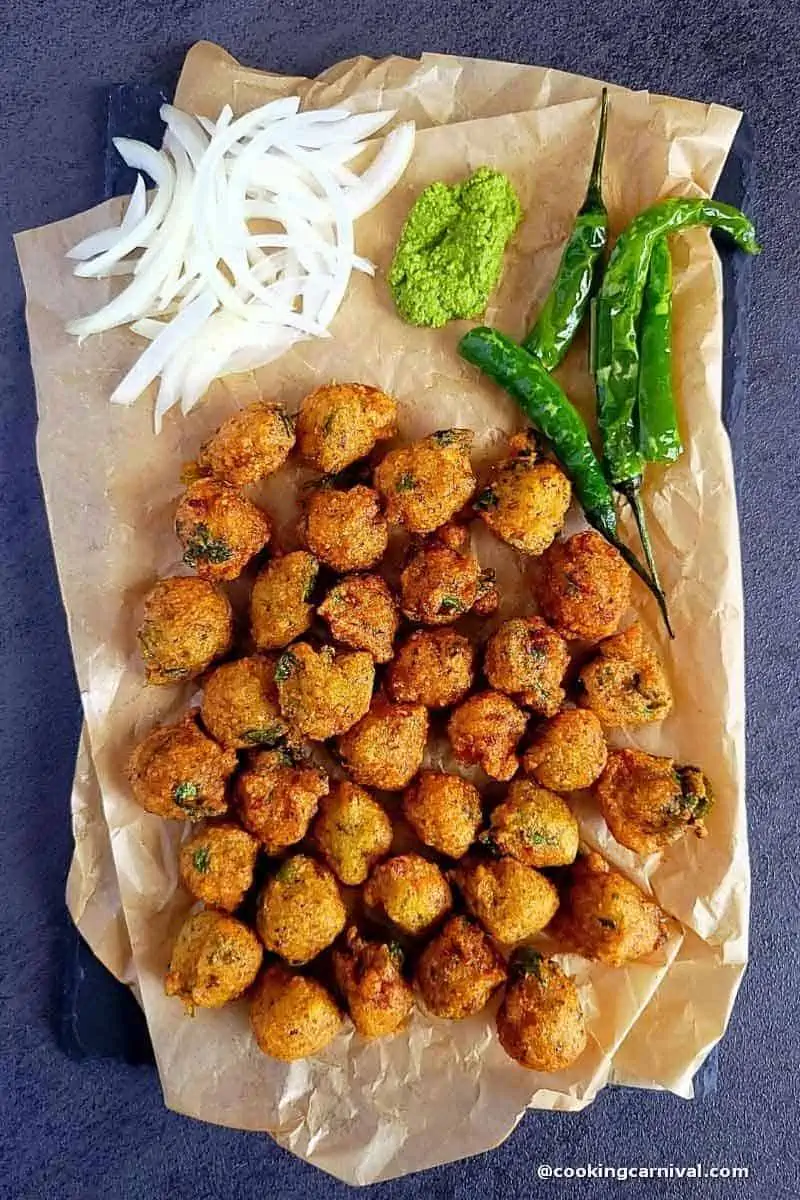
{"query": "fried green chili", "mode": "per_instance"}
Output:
(657, 421)
(546, 406)
(578, 272)
(615, 339)
(617, 308)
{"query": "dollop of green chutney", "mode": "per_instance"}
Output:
(450, 253)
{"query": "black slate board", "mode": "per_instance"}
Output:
(98, 1015)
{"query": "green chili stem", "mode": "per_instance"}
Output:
(631, 490)
(594, 192)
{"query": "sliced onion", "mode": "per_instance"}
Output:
(210, 291)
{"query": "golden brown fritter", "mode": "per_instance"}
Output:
(412, 892)
(385, 748)
(441, 579)
(240, 704)
(540, 1023)
(220, 529)
(626, 684)
(214, 960)
(527, 659)
(525, 499)
(179, 773)
(567, 752)
(585, 586)
(277, 796)
(292, 1017)
(188, 623)
(300, 910)
(345, 528)
(434, 667)
(535, 826)
(216, 865)
(649, 802)
(425, 483)
(280, 608)
(323, 693)
(370, 977)
(342, 422)
(444, 811)
(486, 729)
(458, 970)
(250, 445)
(605, 917)
(511, 901)
(360, 612)
(352, 832)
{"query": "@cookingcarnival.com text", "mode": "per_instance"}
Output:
(622, 1172)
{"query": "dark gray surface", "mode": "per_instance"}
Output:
(97, 1129)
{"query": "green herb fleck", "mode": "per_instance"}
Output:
(396, 953)
(406, 482)
(267, 735)
(327, 424)
(288, 872)
(286, 421)
(285, 666)
(444, 437)
(308, 590)
(202, 547)
(451, 604)
(535, 837)
(528, 961)
(607, 923)
(201, 859)
(186, 794)
(486, 499)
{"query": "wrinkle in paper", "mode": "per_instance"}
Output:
(367, 1112)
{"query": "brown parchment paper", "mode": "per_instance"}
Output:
(367, 1112)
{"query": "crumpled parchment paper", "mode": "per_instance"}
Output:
(441, 1091)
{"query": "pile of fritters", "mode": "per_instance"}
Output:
(335, 869)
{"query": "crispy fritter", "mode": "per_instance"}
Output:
(300, 910)
(434, 667)
(511, 901)
(585, 586)
(649, 802)
(216, 865)
(540, 1023)
(188, 623)
(240, 704)
(525, 499)
(280, 608)
(486, 729)
(412, 892)
(535, 826)
(605, 917)
(250, 445)
(385, 748)
(352, 832)
(277, 796)
(179, 773)
(361, 613)
(291, 1016)
(444, 811)
(214, 960)
(441, 579)
(323, 693)
(527, 659)
(345, 528)
(567, 752)
(342, 422)
(425, 483)
(220, 529)
(458, 970)
(626, 684)
(370, 977)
